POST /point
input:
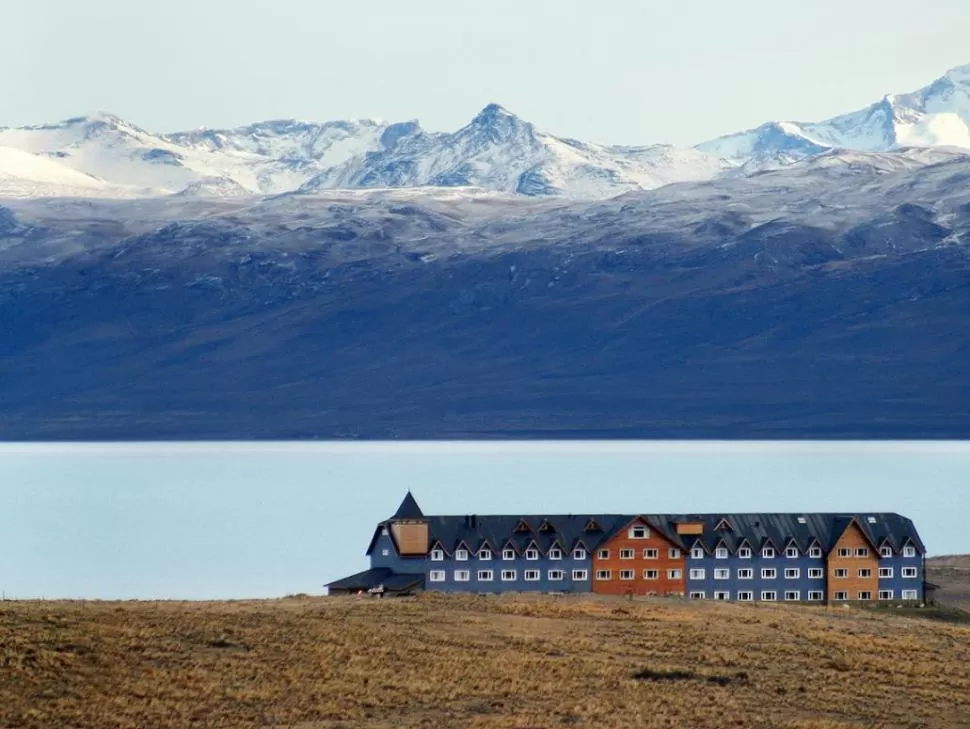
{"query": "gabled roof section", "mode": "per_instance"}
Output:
(724, 525)
(546, 527)
(408, 509)
(522, 527)
(592, 526)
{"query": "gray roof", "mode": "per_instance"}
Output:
(392, 581)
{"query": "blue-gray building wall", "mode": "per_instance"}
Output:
(897, 583)
(802, 584)
(385, 554)
(520, 565)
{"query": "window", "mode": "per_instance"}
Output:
(886, 594)
(385, 531)
(842, 573)
(651, 553)
(886, 552)
(626, 574)
(769, 595)
(722, 595)
(556, 575)
(603, 554)
(910, 595)
(696, 574)
(909, 573)
(862, 552)
(697, 553)
(871, 519)
(842, 596)
(816, 596)
(865, 574)
(722, 574)
(744, 553)
(508, 554)
(555, 553)
(485, 553)
(639, 531)
(673, 553)
(580, 575)
(485, 575)
(885, 572)
(909, 551)
(746, 574)
(532, 554)
(437, 555)
(721, 553)
(532, 575)
(674, 574)
(436, 576)
(769, 573)
(815, 552)
(791, 552)
(579, 553)
(461, 555)
(802, 520)
(508, 575)
(768, 553)
(462, 575)
(816, 573)
(793, 595)
(626, 554)
(603, 575)
(865, 595)
(845, 552)
(744, 596)
(697, 596)
(792, 573)
(651, 575)
(385, 552)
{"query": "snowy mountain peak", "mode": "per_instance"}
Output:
(959, 75)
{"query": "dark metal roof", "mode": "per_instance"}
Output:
(500, 531)
(408, 509)
(392, 581)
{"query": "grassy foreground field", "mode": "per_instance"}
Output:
(476, 662)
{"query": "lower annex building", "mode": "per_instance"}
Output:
(815, 558)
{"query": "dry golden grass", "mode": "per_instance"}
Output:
(476, 662)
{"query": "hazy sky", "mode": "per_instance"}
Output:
(209, 521)
(622, 71)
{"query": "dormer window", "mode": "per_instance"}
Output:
(592, 526)
(579, 553)
(744, 553)
(546, 527)
(522, 526)
(461, 555)
(485, 553)
(555, 553)
(909, 551)
(508, 553)
(639, 531)
(697, 553)
(815, 552)
(437, 555)
(886, 552)
(768, 553)
(791, 552)
(721, 553)
(532, 553)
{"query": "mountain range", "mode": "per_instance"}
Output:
(104, 155)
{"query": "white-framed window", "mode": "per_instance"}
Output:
(579, 553)
(886, 572)
(909, 551)
(744, 553)
(556, 575)
(436, 576)
(627, 574)
(461, 555)
(768, 553)
(627, 554)
(673, 553)
(722, 595)
(886, 594)
(862, 552)
(532, 575)
(745, 573)
(845, 552)
(745, 596)
(842, 573)
(865, 573)
(721, 553)
(580, 575)
(872, 520)
(793, 595)
(792, 573)
(815, 552)
(437, 555)
(639, 531)
(651, 554)
(508, 575)
(886, 551)
(603, 554)
(769, 596)
(385, 552)
(532, 554)
(910, 595)
(697, 574)
(697, 596)
(462, 575)
(697, 553)
(485, 554)
(816, 573)
(909, 573)
(508, 554)
(841, 595)
(604, 575)
(674, 574)
(651, 574)
(385, 531)
(769, 573)
(791, 552)
(816, 596)
(722, 574)
(555, 553)
(485, 575)
(865, 595)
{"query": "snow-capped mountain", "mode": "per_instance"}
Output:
(496, 151)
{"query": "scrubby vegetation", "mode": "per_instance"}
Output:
(476, 662)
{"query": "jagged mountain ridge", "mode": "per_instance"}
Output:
(496, 151)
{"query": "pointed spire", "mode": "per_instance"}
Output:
(408, 509)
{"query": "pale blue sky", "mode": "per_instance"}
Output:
(264, 520)
(623, 71)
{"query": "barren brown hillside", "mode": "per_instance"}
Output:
(476, 662)
(952, 574)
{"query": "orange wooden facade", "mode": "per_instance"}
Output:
(860, 565)
(649, 565)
